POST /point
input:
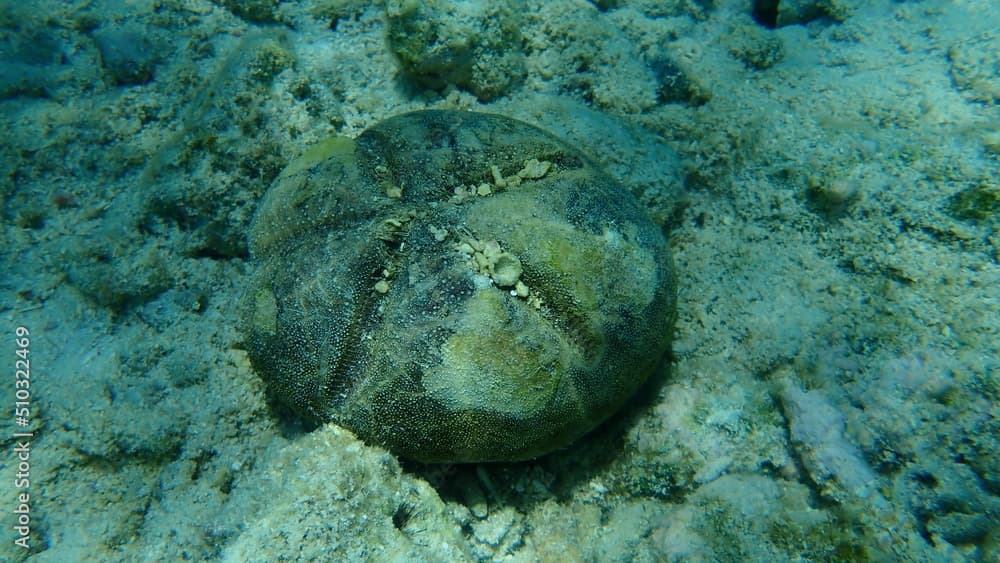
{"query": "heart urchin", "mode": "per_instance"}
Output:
(456, 287)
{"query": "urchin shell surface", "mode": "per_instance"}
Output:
(456, 287)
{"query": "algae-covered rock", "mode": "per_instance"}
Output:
(127, 54)
(456, 287)
(474, 46)
(791, 12)
(978, 203)
(974, 64)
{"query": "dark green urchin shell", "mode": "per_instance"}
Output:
(456, 287)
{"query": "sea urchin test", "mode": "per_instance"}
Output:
(455, 287)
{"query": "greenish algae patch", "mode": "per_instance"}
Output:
(499, 360)
(265, 311)
(333, 147)
(978, 204)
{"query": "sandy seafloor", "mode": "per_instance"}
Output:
(831, 190)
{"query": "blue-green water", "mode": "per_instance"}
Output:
(826, 174)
